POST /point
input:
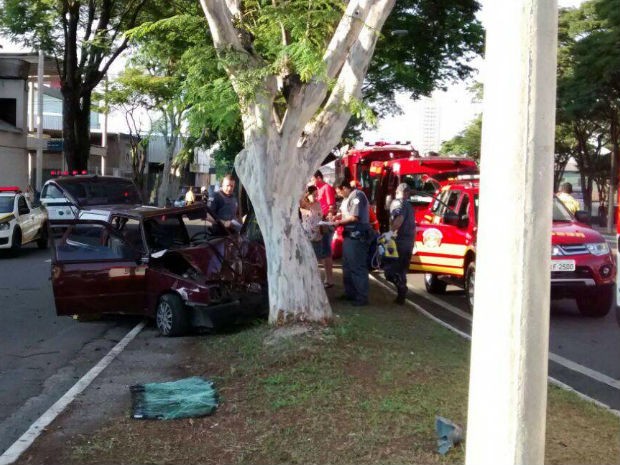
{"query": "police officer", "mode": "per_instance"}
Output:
(357, 235)
(402, 228)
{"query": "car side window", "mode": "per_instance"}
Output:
(50, 191)
(91, 242)
(130, 230)
(22, 206)
(464, 206)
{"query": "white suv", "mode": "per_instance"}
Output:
(65, 197)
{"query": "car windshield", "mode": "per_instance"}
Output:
(6, 204)
(101, 191)
(560, 212)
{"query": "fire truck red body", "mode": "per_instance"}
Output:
(582, 268)
(424, 175)
(355, 165)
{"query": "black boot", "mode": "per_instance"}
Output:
(401, 297)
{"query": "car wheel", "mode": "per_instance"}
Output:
(171, 316)
(42, 240)
(433, 284)
(596, 304)
(16, 242)
(470, 280)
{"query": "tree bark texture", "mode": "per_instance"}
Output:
(281, 154)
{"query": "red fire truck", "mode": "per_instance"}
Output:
(355, 165)
(582, 267)
(424, 175)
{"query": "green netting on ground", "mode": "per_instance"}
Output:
(189, 397)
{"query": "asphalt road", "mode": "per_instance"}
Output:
(584, 352)
(41, 355)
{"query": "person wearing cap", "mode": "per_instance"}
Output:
(357, 236)
(402, 229)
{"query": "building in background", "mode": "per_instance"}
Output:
(429, 126)
(13, 122)
(20, 138)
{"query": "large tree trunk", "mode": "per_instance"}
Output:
(282, 150)
(296, 292)
(76, 129)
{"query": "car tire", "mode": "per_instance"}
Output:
(16, 241)
(470, 280)
(433, 284)
(596, 304)
(171, 316)
(42, 240)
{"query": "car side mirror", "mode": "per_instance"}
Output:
(451, 218)
(583, 217)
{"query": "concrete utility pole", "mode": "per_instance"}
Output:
(104, 128)
(508, 377)
(39, 164)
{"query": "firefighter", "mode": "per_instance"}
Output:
(357, 236)
(402, 228)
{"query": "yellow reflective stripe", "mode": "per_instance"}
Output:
(445, 249)
(568, 234)
(430, 260)
(436, 269)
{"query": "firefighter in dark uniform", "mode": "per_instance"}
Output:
(402, 228)
(357, 235)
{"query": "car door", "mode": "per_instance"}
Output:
(441, 247)
(95, 270)
(25, 219)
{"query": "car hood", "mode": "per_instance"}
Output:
(573, 233)
(208, 258)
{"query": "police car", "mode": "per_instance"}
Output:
(20, 222)
(69, 197)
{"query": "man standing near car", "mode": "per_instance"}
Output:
(402, 228)
(224, 204)
(356, 243)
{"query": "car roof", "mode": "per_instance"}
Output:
(146, 211)
(78, 179)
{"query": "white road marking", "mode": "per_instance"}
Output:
(566, 363)
(25, 441)
(600, 377)
(569, 364)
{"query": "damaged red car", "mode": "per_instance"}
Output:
(179, 266)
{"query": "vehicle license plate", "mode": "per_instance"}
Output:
(563, 265)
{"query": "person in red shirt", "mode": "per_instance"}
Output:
(326, 195)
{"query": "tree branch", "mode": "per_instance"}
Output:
(325, 131)
(220, 18)
(304, 104)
